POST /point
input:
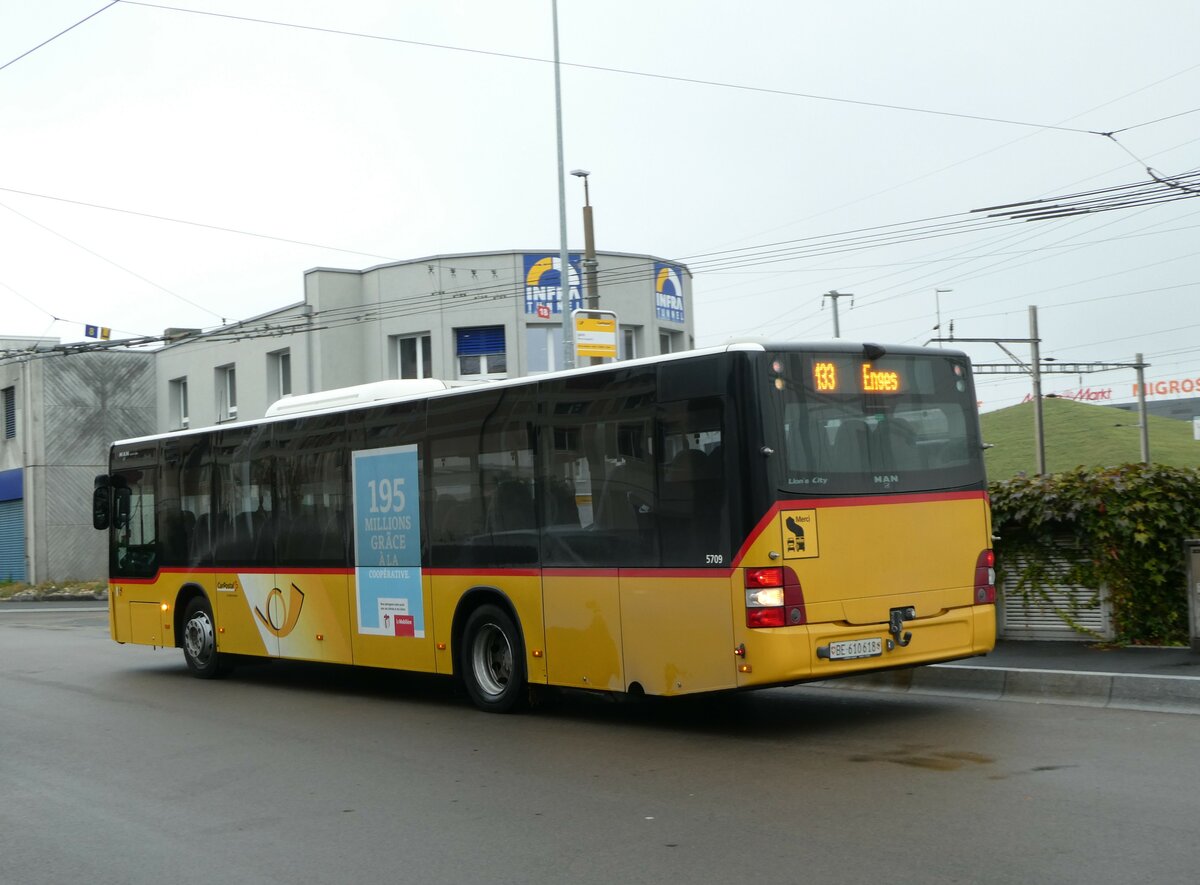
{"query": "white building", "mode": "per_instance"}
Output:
(456, 317)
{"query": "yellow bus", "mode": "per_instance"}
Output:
(746, 516)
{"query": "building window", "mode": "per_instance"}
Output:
(543, 350)
(279, 374)
(178, 394)
(664, 342)
(480, 352)
(629, 350)
(412, 356)
(226, 393)
(10, 412)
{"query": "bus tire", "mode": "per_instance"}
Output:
(493, 661)
(200, 640)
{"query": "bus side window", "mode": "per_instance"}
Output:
(311, 477)
(595, 478)
(135, 490)
(482, 473)
(693, 520)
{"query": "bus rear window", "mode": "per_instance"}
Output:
(853, 425)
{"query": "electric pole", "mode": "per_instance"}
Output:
(835, 295)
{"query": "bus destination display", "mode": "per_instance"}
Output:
(826, 378)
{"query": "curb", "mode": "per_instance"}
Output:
(55, 596)
(1125, 691)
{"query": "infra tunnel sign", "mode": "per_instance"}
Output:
(387, 542)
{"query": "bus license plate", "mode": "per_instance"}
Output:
(855, 648)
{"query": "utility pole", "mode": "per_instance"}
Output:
(1035, 370)
(835, 295)
(937, 305)
(1145, 425)
(589, 244)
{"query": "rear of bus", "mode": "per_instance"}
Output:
(874, 548)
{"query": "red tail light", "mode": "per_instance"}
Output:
(985, 578)
(764, 577)
(774, 598)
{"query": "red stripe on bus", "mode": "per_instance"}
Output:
(482, 572)
(230, 570)
(723, 572)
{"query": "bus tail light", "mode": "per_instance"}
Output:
(985, 578)
(774, 598)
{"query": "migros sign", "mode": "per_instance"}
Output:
(1168, 387)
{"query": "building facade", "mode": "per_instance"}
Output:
(471, 317)
(61, 412)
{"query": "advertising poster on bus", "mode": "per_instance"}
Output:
(387, 542)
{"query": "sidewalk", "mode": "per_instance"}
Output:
(1155, 679)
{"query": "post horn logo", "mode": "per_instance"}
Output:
(281, 616)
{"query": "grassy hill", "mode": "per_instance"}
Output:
(1079, 434)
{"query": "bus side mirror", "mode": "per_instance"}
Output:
(100, 503)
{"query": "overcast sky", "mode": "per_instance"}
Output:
(766, 127)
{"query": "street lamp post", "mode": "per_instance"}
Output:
(589, 244)
(564, 258)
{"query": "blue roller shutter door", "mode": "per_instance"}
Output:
(12, 541)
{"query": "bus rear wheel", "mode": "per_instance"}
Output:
(200, 640)
(493, 661)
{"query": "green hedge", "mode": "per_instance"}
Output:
(1129, 522)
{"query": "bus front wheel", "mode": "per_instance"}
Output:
(493, 661)
(200, 639)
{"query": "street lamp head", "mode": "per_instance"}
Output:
(581, 173)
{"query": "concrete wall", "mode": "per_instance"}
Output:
(80, 403)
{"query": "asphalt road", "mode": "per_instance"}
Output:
(118, 767)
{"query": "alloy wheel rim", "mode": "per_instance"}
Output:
(198, 638)
(492, 660)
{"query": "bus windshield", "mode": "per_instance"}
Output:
(852, 425)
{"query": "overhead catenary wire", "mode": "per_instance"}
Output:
(612, 70)
(107, 260)
(703, 263)
(698, 266)
(201, 224)
(876, 237)
(50, 40)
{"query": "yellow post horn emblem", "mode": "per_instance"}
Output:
(281, 617)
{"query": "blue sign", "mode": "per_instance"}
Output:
(668, 292)
(12, 484)
(543, 281)
(387, 542)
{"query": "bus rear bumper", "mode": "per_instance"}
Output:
(787, 655)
